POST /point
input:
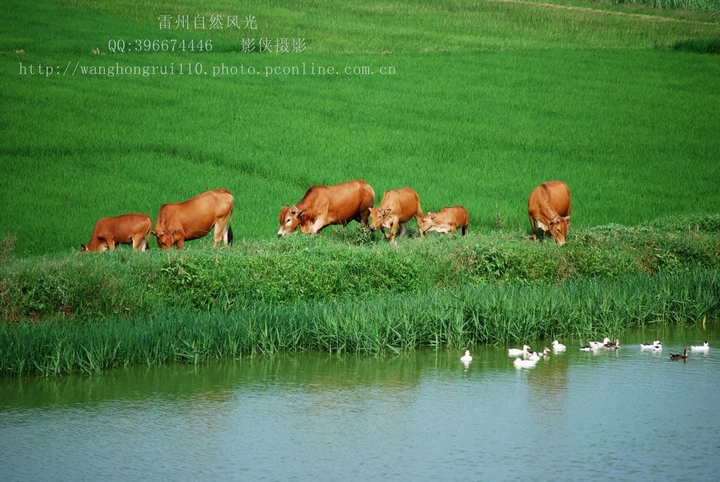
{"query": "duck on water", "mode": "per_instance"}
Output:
(677, 356)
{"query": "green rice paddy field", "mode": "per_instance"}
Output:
(485, 100)
(115, 107)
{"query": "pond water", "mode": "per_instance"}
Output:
(619, 414)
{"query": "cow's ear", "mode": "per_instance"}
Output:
(299, 215)
(153, 233)
(567, 218)
(432, 215)
(293, 210)
(385, 212)
(83, 247)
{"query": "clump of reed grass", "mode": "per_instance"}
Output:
(376, 325)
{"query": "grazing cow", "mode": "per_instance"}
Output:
(325, 205)
(396, 208)
(194, 218)
(549, 206)
(446, 221)
(125, 229)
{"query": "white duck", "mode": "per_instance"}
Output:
(704, 347)
(651, 346)
(520, 363)
(519, 352)
(466, 358)
(557, 346)
(533, 356)
(596, 345)
(536, 355)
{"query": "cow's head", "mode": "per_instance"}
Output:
(427, 221)
(558, 228)
(377, 218)
(165, 238)
(94, 245)
(388, 218)
(290, 218)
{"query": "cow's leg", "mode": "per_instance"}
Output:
(532, 227)
(418, 220)
(393, 230)
(111, 244)
(178, 237)
(144, 242)
(403, 229)
(363, 217)
(218, 234)
(317, 225)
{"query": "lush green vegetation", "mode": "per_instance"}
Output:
(345, 292)
(374, 325)
(345, 265)
(470, 102)
(488, 100)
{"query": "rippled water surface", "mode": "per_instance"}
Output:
(621, 415)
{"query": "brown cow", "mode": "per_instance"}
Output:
(446, 221)
(194, 218)
(125, 229)
(325, 205)
(396, 208)
(549, 206)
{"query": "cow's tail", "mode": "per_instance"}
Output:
(228, 234)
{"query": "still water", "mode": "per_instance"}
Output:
(621, 415)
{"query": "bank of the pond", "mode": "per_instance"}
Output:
(349, 291)
(373, 324)
(341, 264)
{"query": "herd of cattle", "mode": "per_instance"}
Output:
(548, 209)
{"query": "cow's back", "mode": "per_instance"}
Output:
(559, 194)
(549, 199)
(198, 213)
(325, 205)
(457, 215)
(448, 219)
(549, 209)
(121, 229)
(341, 201)
(404, 203)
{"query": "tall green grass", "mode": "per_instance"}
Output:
(346, 264)
(489, 99)
(372, 325)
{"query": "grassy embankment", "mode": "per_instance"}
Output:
(488, 99)
(346, 293)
